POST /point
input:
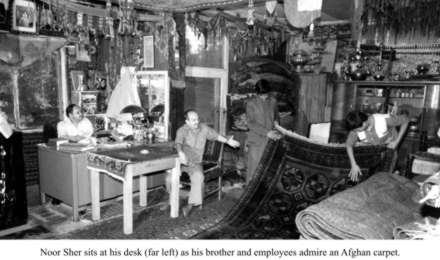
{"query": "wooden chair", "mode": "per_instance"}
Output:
(212, 167)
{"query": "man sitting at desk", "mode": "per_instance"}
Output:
(190, 144)
(75, 127)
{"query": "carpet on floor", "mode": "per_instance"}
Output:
(54, 221)
(153, 223)
(293, 174)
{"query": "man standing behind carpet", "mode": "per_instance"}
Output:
(190, 144)
(261, 112)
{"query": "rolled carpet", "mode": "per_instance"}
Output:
(369, 210)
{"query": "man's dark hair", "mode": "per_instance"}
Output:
(262, 87)
(69, 109)
(189, 111)
(355, 119)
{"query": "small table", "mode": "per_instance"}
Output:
(123, 165)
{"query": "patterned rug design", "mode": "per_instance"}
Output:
(293, 174)
(54, 221)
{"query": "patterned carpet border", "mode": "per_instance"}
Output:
(292, 175)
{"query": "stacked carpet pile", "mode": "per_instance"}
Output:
(370, 210)
(426, 228)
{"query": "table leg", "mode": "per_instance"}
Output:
(94, 184)
(128, 201)
(75, 212)
(143, 196)
(43, 198)
(174, 193)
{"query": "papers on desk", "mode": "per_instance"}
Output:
(56, 141)
(75, 147)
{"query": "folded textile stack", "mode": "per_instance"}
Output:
(369, 210)
(427, 228)
(429, 191)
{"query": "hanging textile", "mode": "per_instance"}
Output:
(5, 128)
(301, 13)
(125, 93)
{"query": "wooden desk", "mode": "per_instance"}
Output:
(64, 176)
(123, 165)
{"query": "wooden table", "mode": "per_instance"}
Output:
(123, 165)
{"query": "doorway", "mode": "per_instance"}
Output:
(203, 95)
(205, 91)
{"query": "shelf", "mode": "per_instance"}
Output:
(89, 91)
(405, 98)
(365, 96)
(390, 83)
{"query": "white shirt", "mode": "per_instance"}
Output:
(380, 124)
(67, 128)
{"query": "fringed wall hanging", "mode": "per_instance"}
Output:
(244, 40)
(198, 26)
(160, 31)
(177, 39)
(108, 26)
(270, 14)
(402, 16)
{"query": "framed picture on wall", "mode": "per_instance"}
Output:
(148, 51)
(24, 16)
(77, 77)
(82, 54)
(89, 102)
(4, 15)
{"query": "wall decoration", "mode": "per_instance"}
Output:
(89, 102)
(52, 16)
(24, 16)
(77, 78)
(148, 51)
(401, 17)
(4, 17)
(82, 53)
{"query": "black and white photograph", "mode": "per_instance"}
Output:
(24, 16)
(248, 129)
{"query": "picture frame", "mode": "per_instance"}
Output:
(148, 42)
(82, 54)
(77, 78)
(47, 20)
(24, 16)
(4, 15)
(89, 102)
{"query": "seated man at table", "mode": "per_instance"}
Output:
(190, 144)
(75, 127)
